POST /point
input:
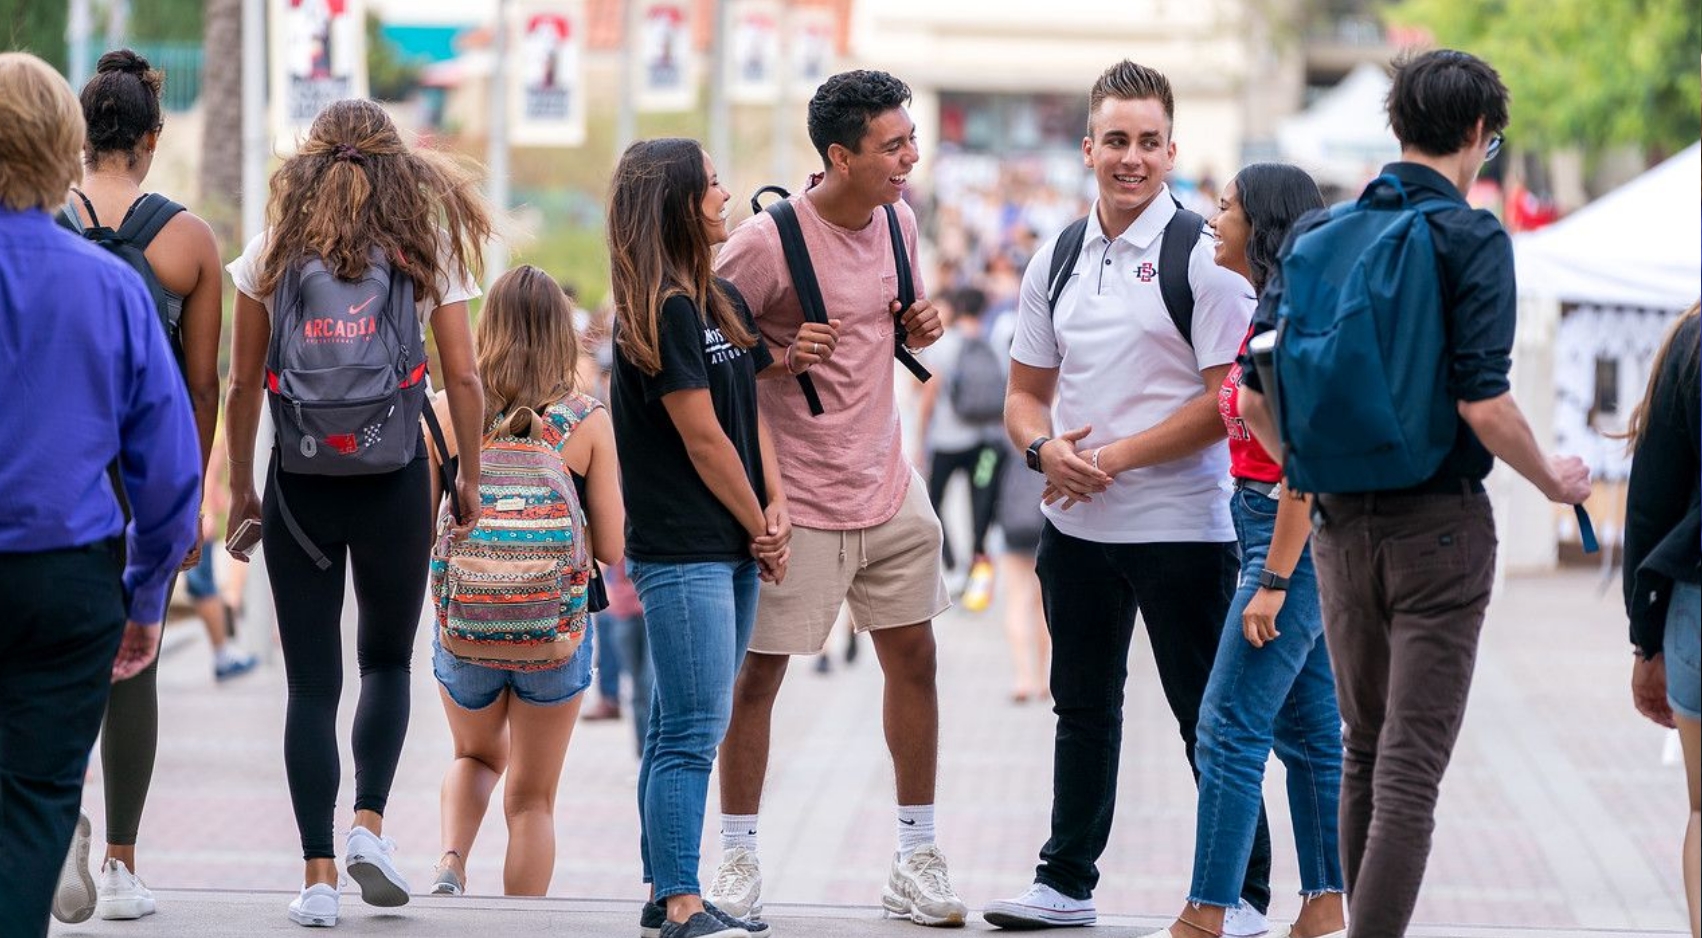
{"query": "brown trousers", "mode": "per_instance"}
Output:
(1404, 581)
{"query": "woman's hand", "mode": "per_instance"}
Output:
(244, 504)
(467, 491)
(1649, 689)
(772, 549)
(1258, 620)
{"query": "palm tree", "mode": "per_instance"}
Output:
(221, 103)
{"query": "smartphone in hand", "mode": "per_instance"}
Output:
(244, 539)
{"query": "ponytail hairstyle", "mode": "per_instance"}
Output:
(354, 186)
(528, 355)
(658, 247)
(121, 105)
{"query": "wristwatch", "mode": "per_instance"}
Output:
(1270, 581)
(1032, 455)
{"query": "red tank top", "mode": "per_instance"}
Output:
(1247, 459)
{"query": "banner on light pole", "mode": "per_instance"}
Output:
(753, 65)
(318, 56)
(546, 73)
(668, 63)
(810, 33)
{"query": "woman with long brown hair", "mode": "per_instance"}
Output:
(516, 724)
(1663, 565)
(706, 513)
(354, 203)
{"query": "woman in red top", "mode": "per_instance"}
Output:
(1271, 685)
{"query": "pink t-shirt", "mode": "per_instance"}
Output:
(844, 469)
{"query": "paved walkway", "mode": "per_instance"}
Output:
(1558, 812)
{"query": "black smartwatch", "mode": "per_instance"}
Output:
(1032, 455)
(1270, 581)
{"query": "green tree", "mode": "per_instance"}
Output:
(1595, 74)
(389, 76)
(36, 26)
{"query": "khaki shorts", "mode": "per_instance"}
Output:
(888, 575)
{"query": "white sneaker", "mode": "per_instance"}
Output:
(919, 889)
(1244, 921)
(737, 886)
(121, 893)
(316, 907)
(1040, 907)
(370, 866)
(74, 897)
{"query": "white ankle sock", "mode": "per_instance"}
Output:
(915, 827)
(738, 830)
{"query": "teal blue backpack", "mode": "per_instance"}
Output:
(1361, 363)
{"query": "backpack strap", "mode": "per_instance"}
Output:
(1064, 256)
(448, 467)
(312, 550)
(906, 296)
(568, 412)
(804, 282)
(73, 221)
(147, 216)
(1181, 235)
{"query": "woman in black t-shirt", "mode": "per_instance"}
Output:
(706, 517)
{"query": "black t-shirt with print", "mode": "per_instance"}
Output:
(671, 515)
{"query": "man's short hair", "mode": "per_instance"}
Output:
(41, 150)
(842, 107)
(1127, 81)
(1437, 98)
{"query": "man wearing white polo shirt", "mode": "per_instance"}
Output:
(1136, 470)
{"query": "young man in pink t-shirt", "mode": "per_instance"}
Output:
(864, 533)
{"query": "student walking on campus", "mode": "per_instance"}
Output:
(332, 303)
(1663, 567)
(867, 539)
(121, 106)
(1405, 540)
(706, 510)
(88, 382)
(512, 707)
(1137, 519)
(1270, 684)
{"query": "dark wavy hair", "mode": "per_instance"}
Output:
(842, 107)
(1438, 96)
(658, 247)
(121, 105)
(1273, 196)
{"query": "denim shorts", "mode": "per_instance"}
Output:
(198, 580)
(1682, 651)
(475, 687)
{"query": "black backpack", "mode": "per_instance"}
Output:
(1181, 233)
(809, 289)
(142, 222)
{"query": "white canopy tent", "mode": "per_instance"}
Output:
(1343, 139)
(1639, 245)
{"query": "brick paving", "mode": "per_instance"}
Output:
(1558, 812)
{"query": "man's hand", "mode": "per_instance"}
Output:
(1571, 480)
(773, 549)
(136, 649)
(1070, 476)
(1258, 620)
(1649, 690)
(814, 344)
(922, 326)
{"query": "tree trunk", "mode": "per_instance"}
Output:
(221, 135)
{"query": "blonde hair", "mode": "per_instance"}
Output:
(41, 149)
(354, 186)
(528, 354)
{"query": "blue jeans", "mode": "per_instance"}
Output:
(1281, 694)
(609, 661)
(698, 618)
(627, 634)
(1682, 651)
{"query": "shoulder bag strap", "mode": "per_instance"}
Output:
(1065, 253)
(906, 296)
(1181, 235)
(804, 283)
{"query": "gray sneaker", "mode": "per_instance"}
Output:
(654, 915)
(74, 898)
(702, 925)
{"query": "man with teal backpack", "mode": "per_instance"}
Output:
(1394, 319)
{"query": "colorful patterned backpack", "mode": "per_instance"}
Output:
(512, 594)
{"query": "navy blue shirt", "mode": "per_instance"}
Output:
(1479, 297)
(86, 377)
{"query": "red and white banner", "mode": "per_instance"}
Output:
(753, 60)
(546, 73)
(668, 69)
(810, 34)
(318, 56)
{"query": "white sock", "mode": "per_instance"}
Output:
(915, 827)
(224, 655)
(738, 830)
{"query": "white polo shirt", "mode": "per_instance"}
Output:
(1123, 367)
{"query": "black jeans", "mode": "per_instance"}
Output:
(1091, 593)
(983, 499)
(59, 631)
(381, 527)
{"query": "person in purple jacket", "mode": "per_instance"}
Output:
(88, 383)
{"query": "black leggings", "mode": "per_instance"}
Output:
(983, 499)
(381, 526)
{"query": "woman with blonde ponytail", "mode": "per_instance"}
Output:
(354, 197)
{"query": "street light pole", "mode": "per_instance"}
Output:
(256, 145)
(720, 113)
(496, 252)
(626, 117)
(77, 27)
